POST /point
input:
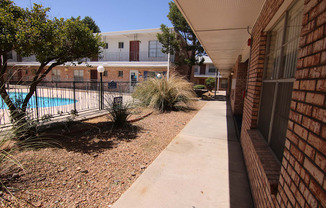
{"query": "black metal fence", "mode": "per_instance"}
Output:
(59, 98)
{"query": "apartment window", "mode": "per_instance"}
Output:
(121, 45)
(196, 69)
(224, 83)
(280, 67)
(154, 49)
(55, 75)
(120, 74)
(211, 69)
(78, 75)
(105, 73)
(9, 55)
(106, 46)
(153, 74)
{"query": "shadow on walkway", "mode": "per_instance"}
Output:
(240, 195)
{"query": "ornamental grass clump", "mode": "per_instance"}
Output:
(165, 95)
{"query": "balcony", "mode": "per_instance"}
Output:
(133, 56)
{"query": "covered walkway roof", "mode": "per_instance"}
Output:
(221, 27)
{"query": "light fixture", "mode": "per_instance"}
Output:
(100, 69)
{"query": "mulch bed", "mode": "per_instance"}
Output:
(93, 164)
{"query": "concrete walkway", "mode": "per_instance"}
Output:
(201, 168)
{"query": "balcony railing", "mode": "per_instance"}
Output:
(134, 56)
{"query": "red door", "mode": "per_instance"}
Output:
(93, 75)
(203, 69)
(134, 51)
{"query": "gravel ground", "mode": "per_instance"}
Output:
(95, 164)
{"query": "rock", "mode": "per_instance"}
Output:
(38, 204)
(143, 167)
(84, 171)
(133, 174)
(1, 193)
(116, 181)
(15, 175)
(62, 169)
(78, 168)
(95, 155)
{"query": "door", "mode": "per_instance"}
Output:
(93, 79)
(203, 69)
(133, 79)
(134, 51)
(93, 75)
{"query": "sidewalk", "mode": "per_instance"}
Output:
(201, 168)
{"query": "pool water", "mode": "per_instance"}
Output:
(42, 102)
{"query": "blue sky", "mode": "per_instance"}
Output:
(109, 15)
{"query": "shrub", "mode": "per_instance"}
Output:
(118, 112)
(165, 95)
(210, 83)
(199, 87)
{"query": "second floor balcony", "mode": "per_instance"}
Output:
(133, 56)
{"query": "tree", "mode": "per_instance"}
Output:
(91, 24)
(53, 42)
(188, 47)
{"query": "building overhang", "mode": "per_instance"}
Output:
(222, 27)
(140, 64)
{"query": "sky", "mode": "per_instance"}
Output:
(109, 15)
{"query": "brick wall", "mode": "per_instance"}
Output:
(299, 181)
(304, 164)
(240, 78)
(67, 73)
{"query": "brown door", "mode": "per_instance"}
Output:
(19, 75)
(134, 51)
(203, 69)
(93, 75)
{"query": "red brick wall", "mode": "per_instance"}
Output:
(67, 73)
(304, 163)
(236, 95)
(301, 180)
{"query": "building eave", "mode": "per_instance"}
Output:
(221, 27)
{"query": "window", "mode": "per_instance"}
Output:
(211, 69)
(79, 75)
(154, 49)
(121, 45)
(280, 67)
(9, 55)
(224, 83)
(196, 69)
(120, 74)
(55, 75)
(105, 73)
(152, 74)
(106, 46)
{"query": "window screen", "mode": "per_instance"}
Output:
(280, 67)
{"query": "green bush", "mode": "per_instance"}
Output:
(199, 87)
(210, 83)
(118, 113)
(165, 95)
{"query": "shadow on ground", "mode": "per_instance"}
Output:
(240, 193)
(84, 137)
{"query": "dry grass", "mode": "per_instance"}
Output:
(165, 95)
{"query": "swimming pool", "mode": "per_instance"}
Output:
(42, 102)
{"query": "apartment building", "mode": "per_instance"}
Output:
(127, 56)
(274, 52)
(201, 72)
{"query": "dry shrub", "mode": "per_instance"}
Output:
(165, 95)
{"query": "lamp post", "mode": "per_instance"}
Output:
(100, 69)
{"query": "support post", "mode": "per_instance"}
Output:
(74, 91)
(36, 103)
